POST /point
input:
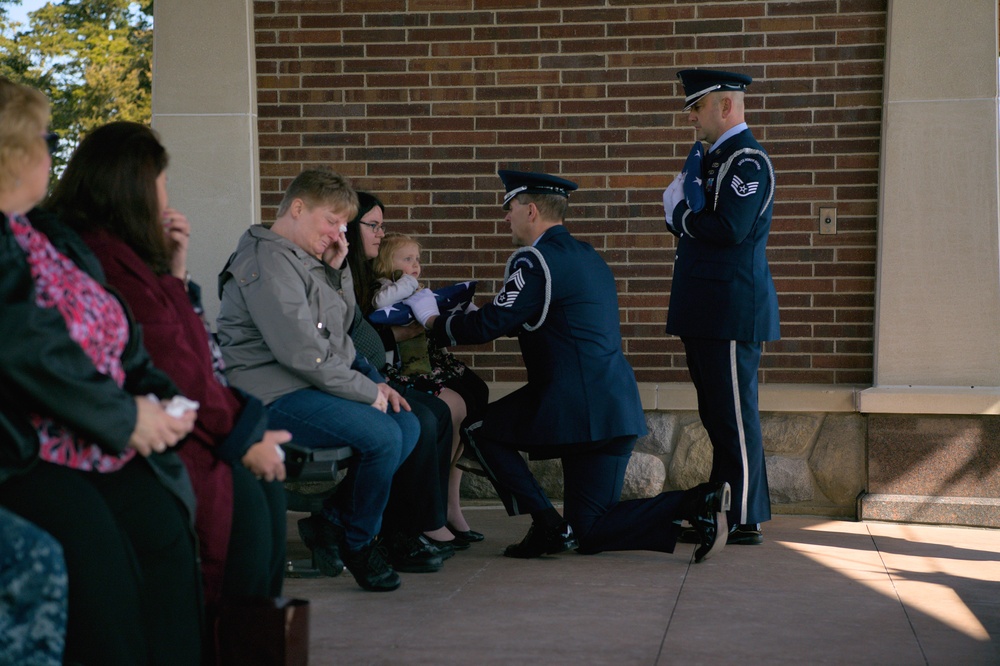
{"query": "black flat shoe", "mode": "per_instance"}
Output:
(468, 536)
(543, 541)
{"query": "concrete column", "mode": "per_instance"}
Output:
(938, 294)
(205, 110)
(932, 439)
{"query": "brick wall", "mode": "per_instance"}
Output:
(421, 101)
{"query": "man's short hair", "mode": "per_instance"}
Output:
(550, 206)
(317, 187)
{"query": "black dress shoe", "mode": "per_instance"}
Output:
(370, 568)
(745, 534)
(688, 535)
(543, 541)
(444, 549)
(414, 554)
(706, 507)
(323, 538)
(468, 536)
(449, 547)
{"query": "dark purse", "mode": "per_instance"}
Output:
(264, 632)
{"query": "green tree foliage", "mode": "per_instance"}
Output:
(91, 58)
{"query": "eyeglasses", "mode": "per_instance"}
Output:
(52, 141)
(374, 227)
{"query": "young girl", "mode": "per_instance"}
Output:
(423, 366)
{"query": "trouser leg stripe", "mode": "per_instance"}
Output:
(738, 407)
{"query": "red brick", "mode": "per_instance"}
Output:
(701, 27)
(461, 18)
(575, 31)
(369, 7)
(439, 5)
(422, 101)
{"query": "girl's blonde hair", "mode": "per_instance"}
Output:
(24, 116)
(393, 241)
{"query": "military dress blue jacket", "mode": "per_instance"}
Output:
(722, 287)
(559, 299)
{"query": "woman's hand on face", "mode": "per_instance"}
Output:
(265, 459)
(335, 255)
(178, 229)
(408, 332)
(393, 398)
(155, 430)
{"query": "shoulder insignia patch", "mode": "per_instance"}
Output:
(511, 289)
(743, 189)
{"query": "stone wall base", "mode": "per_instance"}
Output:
(970, 511)
(904, 468)
(815, 461)
(938, 469)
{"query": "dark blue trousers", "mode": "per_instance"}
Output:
(725, 376)
(593, 475)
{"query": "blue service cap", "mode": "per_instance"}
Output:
(529, 182)
(699, 82)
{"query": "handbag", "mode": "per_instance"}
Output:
(264, 632)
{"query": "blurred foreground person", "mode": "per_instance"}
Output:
(84, 434)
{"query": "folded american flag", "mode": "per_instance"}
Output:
(694, 192)
(452, 298)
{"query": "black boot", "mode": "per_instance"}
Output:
(323, 538)
(370, 568)
(543, 541)
(705, 508)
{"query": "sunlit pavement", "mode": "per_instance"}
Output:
(816, 592)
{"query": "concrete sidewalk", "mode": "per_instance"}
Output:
(817, 592)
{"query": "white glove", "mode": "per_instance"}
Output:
(672, 196)
(424, 305)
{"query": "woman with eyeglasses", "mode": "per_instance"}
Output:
(463, 401)
(84, 438)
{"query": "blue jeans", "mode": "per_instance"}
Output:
(381, 442)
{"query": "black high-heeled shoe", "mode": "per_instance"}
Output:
(468, 536)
